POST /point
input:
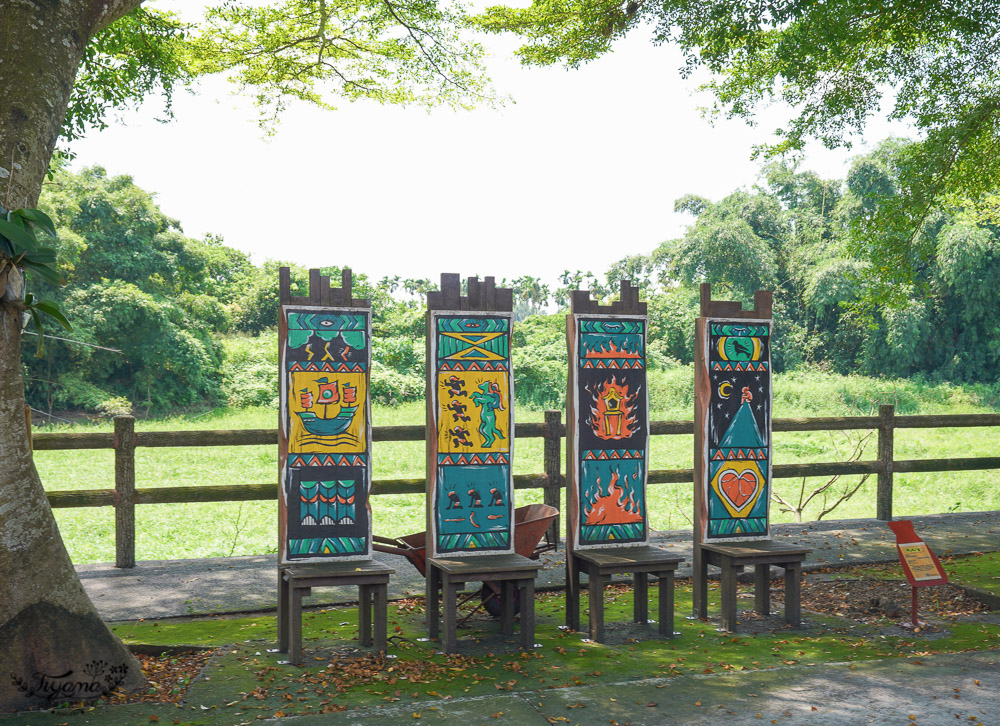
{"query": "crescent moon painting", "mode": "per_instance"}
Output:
(725, 390)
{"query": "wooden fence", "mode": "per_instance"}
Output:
(125, 439)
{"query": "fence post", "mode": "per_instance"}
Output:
(124, 491)
(886, 423)
(553, 471)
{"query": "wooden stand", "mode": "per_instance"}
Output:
(599, 561)
(449, 568)
(337, 553)
(741, 548)
(447, 575)
(297, 581)
(600, 564)
(732, 558)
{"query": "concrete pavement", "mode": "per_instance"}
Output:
(173, 588)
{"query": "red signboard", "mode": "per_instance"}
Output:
(920, 565)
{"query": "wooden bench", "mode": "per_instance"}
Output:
(512, 572)
(297, 581)
(732, 557)
(600, 564)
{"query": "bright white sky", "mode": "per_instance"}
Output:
(582, 170)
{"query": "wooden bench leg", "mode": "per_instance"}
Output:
(762, 589)
(572, 592)
(295, 624)
(729, 571)
(526, 590)
(666, 604)
(700, 591)
(365, 614)
(282, 612)
(793, 593)
(640, 597)
(450, 606)
(433, 608)
(596, 605)
(381, 616)
(507, 589)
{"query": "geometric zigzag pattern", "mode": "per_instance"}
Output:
(299, 366)
(328, 546)
(610, 363)
(739, 454)
(458, 365)
(472, 459)
(748, 366)
(606, 532)
(477, 540)
(613, 454)
(729, 527)
(327, 460)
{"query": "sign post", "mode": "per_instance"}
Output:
(921, 566)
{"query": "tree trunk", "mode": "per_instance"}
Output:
(53, 645)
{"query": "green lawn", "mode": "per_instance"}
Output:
(169, 531)
(418, 674)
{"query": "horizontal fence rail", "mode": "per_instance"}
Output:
(124, 440)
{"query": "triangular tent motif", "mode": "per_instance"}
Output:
(743, 431)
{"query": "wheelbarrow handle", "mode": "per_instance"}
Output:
(390, 549)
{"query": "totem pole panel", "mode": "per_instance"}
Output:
(471, 500)
(326, 419)
(611, 430)
(737, 482)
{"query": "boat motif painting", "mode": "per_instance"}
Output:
(326, 414)
(739, 429)
(473, 421)
(612, 429)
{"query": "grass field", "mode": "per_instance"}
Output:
(175, 531)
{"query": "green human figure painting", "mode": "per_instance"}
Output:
(325, 412)
(612, 430)
(471, 504)
(739, 429)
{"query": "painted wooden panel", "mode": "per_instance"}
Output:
(610, 429)
(736, 480)
(326, 428)
(472, 424)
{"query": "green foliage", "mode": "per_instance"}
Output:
(313, 50)
(141, 54)
(167, 302)
(538, 348)
(139, 287)
(391, 387)
(21, 254)
(250, 370)
(165, 359)
(836, 65)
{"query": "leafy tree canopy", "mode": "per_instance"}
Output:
(836, 64)
(391, 51)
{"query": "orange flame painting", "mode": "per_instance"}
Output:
(612, 351)
(614, 507)
(612, 414)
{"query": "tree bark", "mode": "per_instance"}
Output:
(53, 645)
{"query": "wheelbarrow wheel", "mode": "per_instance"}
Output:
(489, 595)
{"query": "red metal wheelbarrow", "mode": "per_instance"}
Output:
(531, 539)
